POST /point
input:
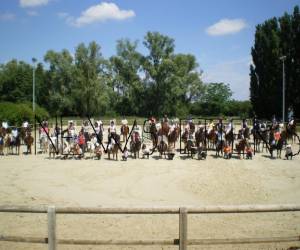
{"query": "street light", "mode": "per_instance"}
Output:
(282, 58)
(33, 84)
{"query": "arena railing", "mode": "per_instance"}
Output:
(183, 212)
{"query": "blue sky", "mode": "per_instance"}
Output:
(219, 33)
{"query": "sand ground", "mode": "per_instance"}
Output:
(37, 180)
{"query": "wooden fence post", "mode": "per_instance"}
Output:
(51, 228)
(182, 228)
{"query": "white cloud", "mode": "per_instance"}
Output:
(226, 26)
(33, 3)
(7, 16)
(102, 12)
(235, 73)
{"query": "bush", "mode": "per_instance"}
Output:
(17, 113)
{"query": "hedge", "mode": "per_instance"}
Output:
(16, 113)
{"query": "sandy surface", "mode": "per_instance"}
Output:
(37, 180)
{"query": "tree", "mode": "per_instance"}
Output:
(274, 38)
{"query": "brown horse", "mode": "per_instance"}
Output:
(212, 138)
(153, 131)
(229, 137)
(173, 136)
(162, 147)
(28, 140)
(200, 136)
(135, 147)
(114, 149)
(241, 146)
(124, 132)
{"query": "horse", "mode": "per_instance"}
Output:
(154, 136)
(219, 147)
(211, 137)
(229, 137)
(135, 147)
(113, 147)
(165, 128)
(200, 136)
(162, 145)
(241, 146)
(173, 136)
(124, 131)
(28, 140)
(44, 144)
(277, 145)
(291, 130)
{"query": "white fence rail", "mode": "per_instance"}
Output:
(183, 212)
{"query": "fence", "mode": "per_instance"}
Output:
(183, 212)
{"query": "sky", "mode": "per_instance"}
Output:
(219, 33)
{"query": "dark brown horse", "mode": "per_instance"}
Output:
(173, 136)
(241, 146)
(162, 146)
(135, 147)
(153, 131)
(212, 138)
(200, 136)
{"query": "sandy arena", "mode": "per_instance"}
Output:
(37, 180)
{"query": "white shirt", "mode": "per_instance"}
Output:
(5, 125)
(112, 129)
(25, 124)
(14, 132)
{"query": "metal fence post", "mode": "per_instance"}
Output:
(51, 228)
(182, 228)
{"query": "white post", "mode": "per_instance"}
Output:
(182, 228)
(51, 228)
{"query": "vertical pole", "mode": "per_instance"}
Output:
(182, 228)
(283, 92)
(34, 127)
(51, 228)
(33, 91)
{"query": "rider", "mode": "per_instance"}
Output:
(210, 126)
(220, 125)
(25, 124)
(124, 121)
(111, 130)
(5, 124)
(244, 124)
(14, 134)
(229, 126)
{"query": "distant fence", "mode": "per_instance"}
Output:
(183, 212)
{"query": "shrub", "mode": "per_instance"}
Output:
(16, 113)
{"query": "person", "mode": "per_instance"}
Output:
(145, 151)
(227, 151)
(125, 154)
(210, 126)
(291, 121)
(165, 119)
(244, 124)
(136, 134)
(5, 124)
(124, 121)
(14, 134)
(274, 122)
(25, 124)
(288, 152)
(71, 129)
(249, 152)
(81, 141)
(277, 137)
(111, 131)
(220, 125)
(229, 126)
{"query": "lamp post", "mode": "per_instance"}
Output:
(282, 58)
(33, 84)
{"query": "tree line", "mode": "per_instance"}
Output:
(275, 38)
(128, 83)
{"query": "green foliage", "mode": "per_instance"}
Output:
(17, 113)
(129, 83)
(274, 38)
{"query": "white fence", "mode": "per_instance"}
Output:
(183, 212)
